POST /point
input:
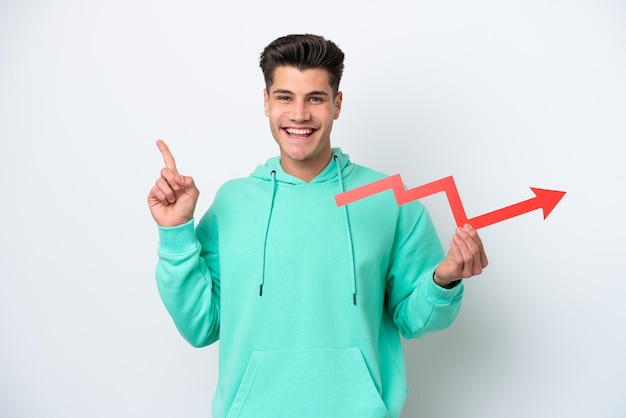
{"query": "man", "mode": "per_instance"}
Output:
(308, 299)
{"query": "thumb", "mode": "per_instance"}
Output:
(188, 184)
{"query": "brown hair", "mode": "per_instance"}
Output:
(303, 52)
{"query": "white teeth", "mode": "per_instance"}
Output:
(293, 131)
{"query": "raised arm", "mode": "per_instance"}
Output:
(188, 287)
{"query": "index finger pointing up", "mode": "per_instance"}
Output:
(168, 158)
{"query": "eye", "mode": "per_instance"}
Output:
(316, 99)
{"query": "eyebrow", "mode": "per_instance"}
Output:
(312, 93)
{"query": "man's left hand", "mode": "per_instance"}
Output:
(466, 257)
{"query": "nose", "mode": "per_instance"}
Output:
(300, 111)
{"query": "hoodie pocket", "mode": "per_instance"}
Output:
(312, 382)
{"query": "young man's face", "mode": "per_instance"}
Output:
(301, 108)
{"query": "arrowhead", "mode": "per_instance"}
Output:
(547, 199)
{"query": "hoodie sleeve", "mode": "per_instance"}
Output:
(188, 287)
(417, 304)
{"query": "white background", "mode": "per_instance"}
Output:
(501, 95)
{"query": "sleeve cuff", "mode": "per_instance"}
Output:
(177, 239)
(441, 295)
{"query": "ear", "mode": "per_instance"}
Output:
(338, 101)
(266, 102)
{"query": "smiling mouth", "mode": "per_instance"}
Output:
(299, 132)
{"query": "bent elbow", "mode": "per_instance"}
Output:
(200, 340)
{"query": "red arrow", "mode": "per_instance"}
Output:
(544, 199)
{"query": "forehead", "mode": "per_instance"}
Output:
(293, 79)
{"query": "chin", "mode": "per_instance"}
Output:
(298, 152)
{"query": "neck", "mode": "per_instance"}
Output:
(305, 170)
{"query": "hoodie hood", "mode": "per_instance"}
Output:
(329, 174)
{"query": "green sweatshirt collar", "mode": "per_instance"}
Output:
(328, 174)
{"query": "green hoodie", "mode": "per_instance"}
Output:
(307, 299)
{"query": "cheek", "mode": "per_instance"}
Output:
(274, 121)
(273, 116)
(323, 115)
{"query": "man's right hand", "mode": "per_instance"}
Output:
(173, 198)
